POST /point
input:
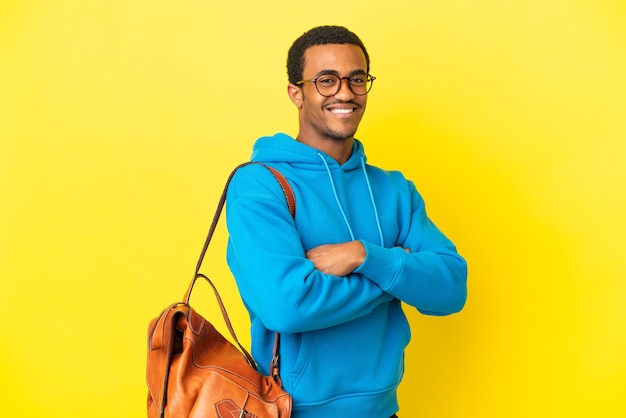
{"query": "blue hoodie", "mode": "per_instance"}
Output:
(342, 338)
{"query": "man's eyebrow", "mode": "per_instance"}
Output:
(334, 72)
(326, 72)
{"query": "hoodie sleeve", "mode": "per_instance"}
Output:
(277, 283)
(432, 277)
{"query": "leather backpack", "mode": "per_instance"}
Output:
(194, 371)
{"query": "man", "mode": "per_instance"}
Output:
(331, 281)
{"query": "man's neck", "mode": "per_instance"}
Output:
(339, 150)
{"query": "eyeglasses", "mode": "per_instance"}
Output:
(329, 84)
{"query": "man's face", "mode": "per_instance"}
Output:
(337, 117)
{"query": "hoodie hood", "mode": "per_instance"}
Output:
(282, 148)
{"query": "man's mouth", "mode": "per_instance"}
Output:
(342, 111)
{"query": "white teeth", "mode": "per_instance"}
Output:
(342, 110)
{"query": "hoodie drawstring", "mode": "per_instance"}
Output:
(332, 184)
(369, 188)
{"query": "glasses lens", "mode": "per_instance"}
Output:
(360, 84)
(328, 85)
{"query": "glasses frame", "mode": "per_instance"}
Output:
(370, 79)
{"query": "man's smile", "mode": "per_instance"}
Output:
(342, 108)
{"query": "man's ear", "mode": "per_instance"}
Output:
(295, 94)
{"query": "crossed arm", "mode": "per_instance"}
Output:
(338, 259)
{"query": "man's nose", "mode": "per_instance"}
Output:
(344, 89)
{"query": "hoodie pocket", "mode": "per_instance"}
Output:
(360, 357)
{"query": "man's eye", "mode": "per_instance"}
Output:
(357, 80)
(326, 80)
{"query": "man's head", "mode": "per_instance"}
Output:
(329, 80)
(320, 35)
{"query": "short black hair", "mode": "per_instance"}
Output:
(320, 35)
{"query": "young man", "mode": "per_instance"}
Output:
(331, 281)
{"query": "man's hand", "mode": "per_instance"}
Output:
(337, 259)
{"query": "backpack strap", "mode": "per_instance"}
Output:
(291, 204)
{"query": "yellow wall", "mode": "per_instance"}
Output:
(119, 121)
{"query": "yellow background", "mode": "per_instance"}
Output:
(120, 120)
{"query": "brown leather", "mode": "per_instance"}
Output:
(193, 371)
(205, 375)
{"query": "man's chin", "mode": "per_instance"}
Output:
(340, 136)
